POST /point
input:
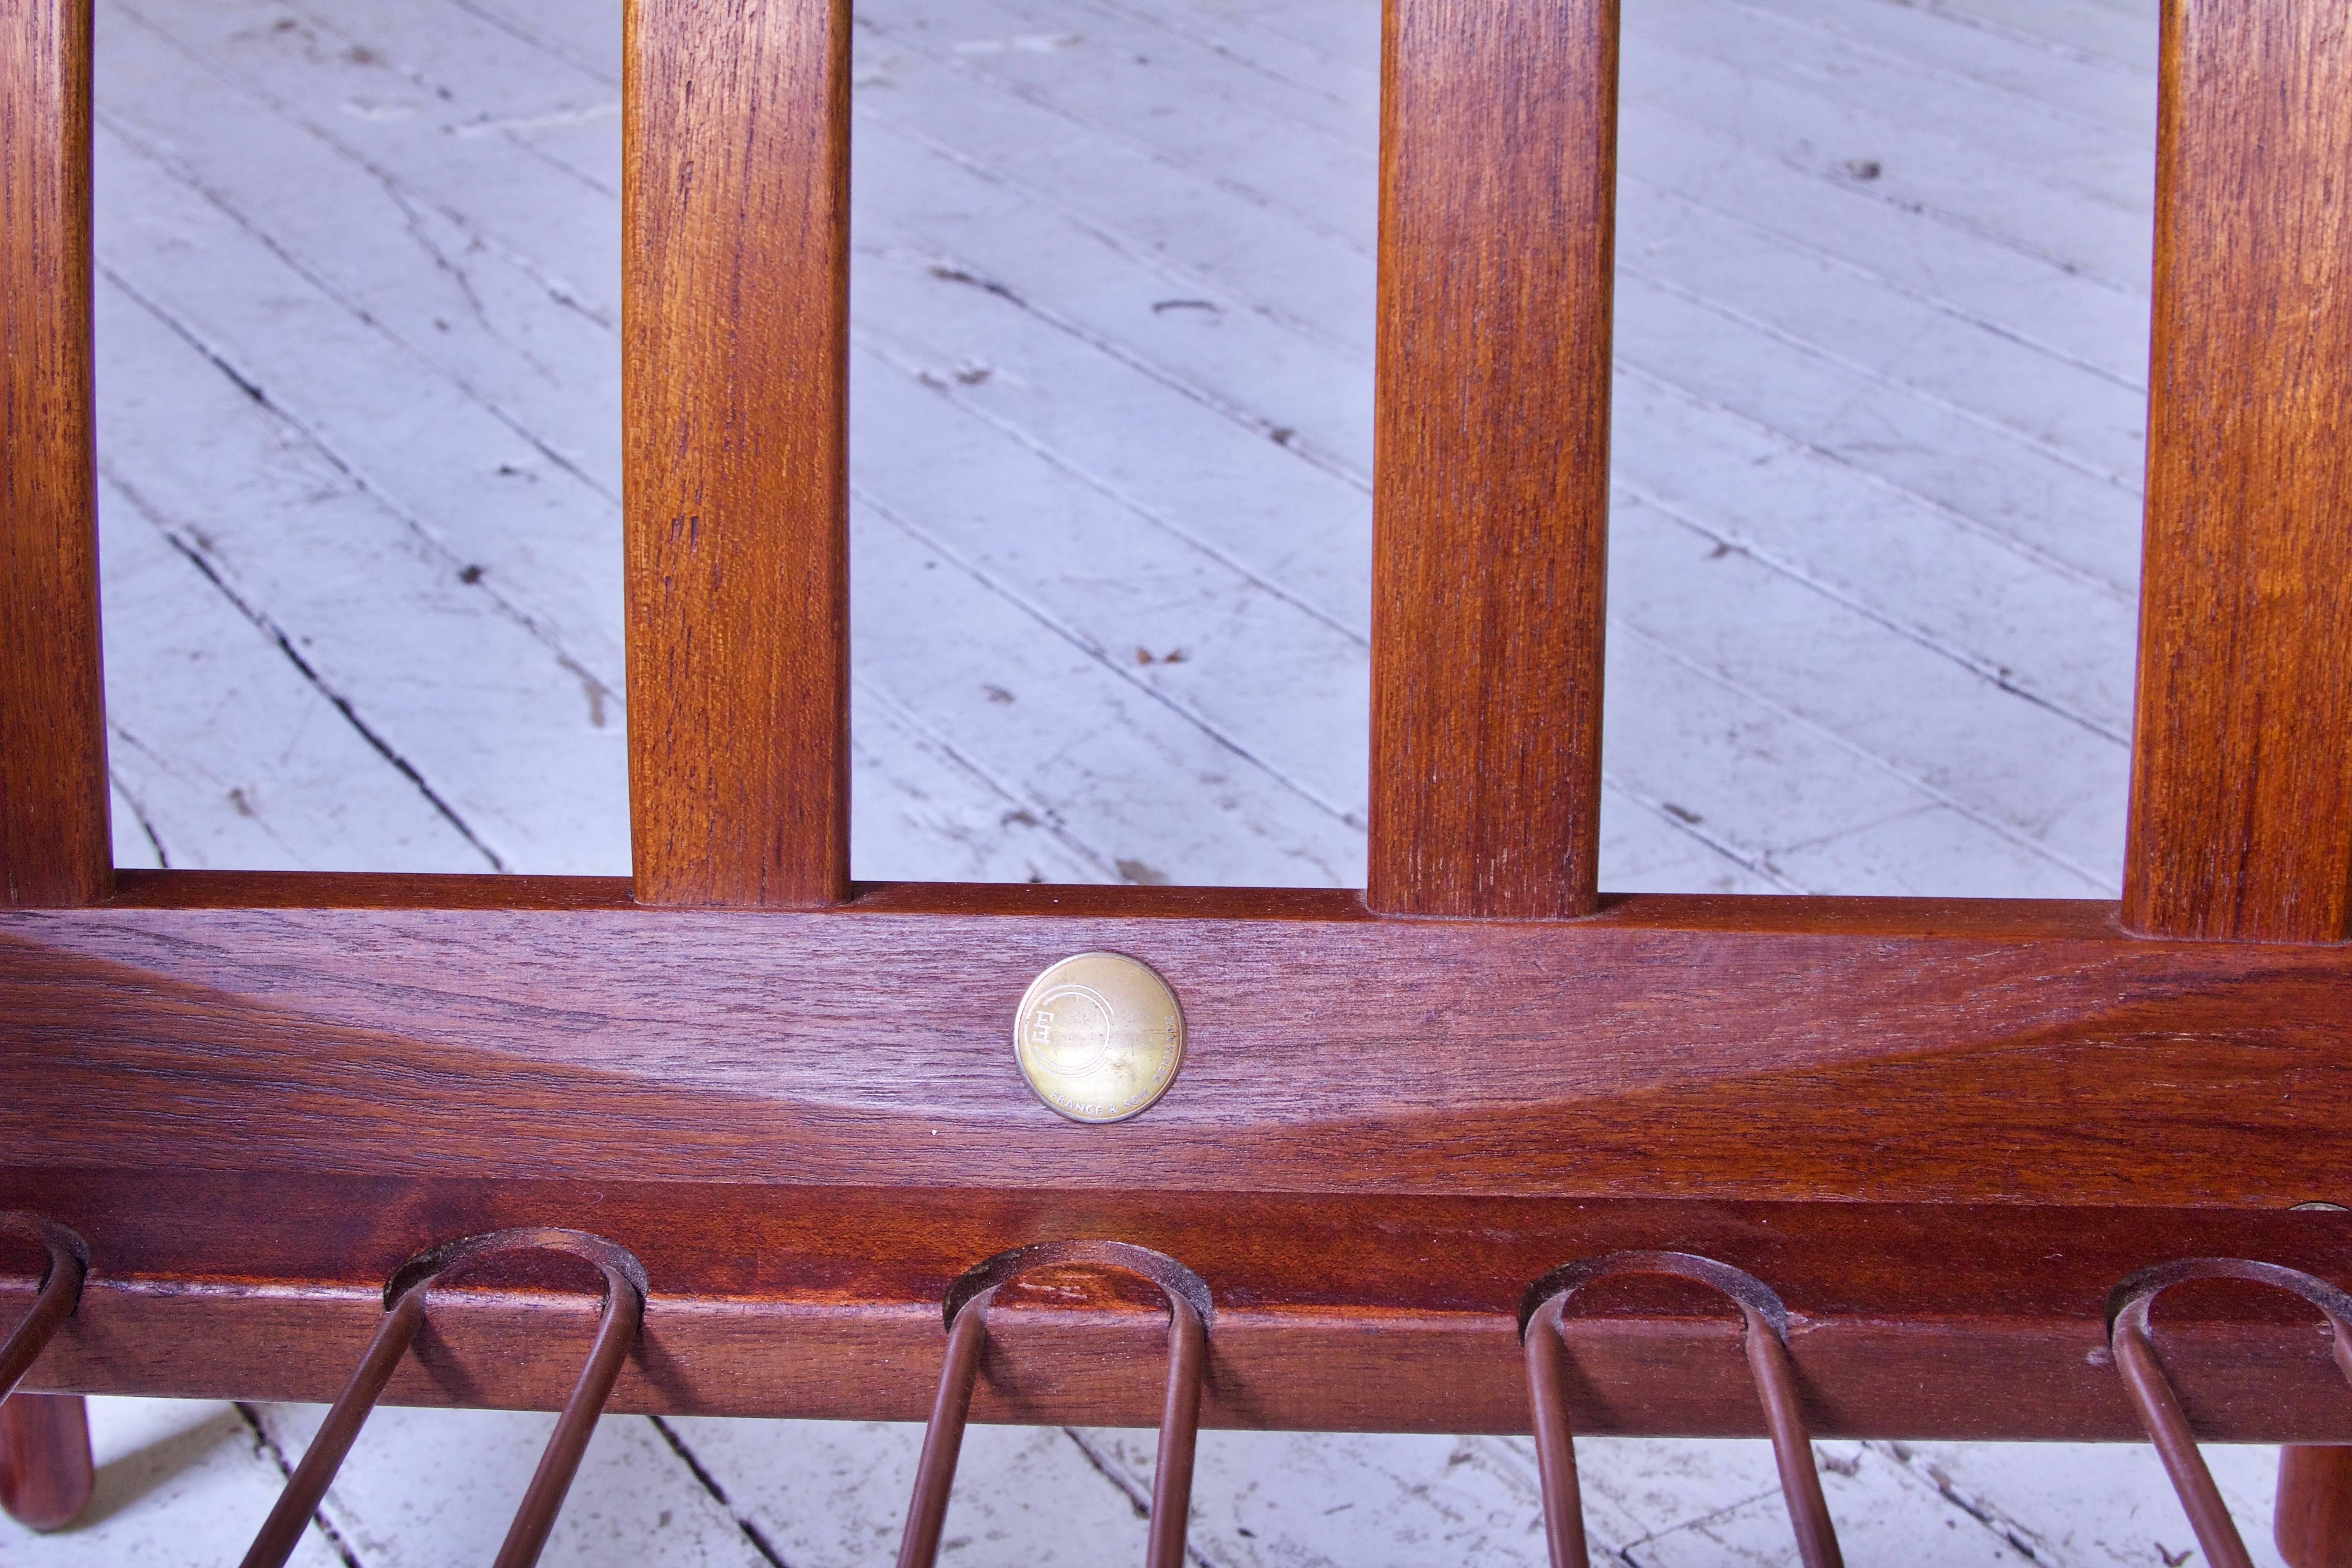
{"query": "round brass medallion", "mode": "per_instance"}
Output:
(1099, 1036)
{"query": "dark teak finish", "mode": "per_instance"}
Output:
(1490, 520)
(54, 843)
(1824, 1048)
(700, 1086)
(1344, 1312)
(45, 1475)
(2241, 778)
(2241, 771)
(735, 321)
(2312, 1527)
(1942, 1132)
(56, 846)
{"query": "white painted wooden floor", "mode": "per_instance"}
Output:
(1882, 319)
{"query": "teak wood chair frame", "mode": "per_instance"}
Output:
(1939, 1131)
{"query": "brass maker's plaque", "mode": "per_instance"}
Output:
(1099, 1036)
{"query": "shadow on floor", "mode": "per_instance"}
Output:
(124, 1480)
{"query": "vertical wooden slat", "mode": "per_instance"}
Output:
(55, 846)
(2241, 777)
(735, 322)
(55, 842)
(1490, 516)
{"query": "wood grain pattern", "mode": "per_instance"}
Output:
(46, 1473)
(2242, 782)
(55, 846)
(1886, 1049)
(1336, 1315)
(1491, 500)
(2312, 1527)
(735, 332)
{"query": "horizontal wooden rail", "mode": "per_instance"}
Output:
(1890, 1049)
(255, 1094)
(1355, 1314)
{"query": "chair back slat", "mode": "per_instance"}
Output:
(1491, 498)
(735, 305)
(55, 844)
(2242, 770)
